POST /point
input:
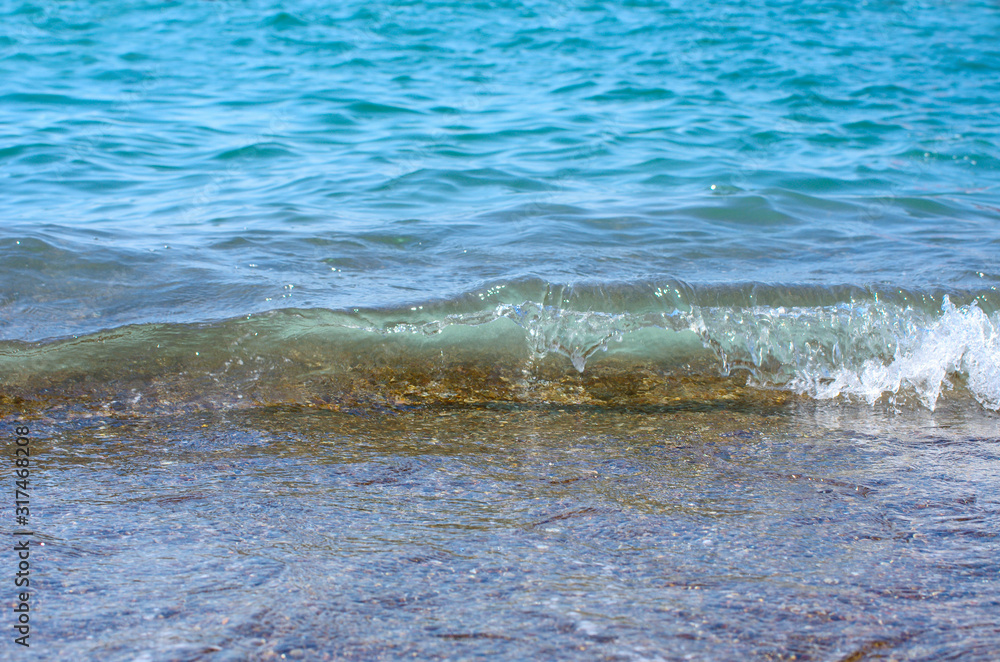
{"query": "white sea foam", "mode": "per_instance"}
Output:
(963, 342)
(864, 349)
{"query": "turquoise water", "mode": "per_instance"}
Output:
(195, 162)
(553, 291)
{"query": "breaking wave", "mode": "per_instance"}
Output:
(532, 341)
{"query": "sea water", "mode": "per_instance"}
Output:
(601, 330)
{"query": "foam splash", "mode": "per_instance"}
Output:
(549, 329)
(826, 344)
(963, 342)
(856, 349)
(575, 335)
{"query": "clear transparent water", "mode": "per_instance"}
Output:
(710, 532)
(614, 330)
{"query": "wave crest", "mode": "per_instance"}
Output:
(636, 343)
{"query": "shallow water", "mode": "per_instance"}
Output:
(817, 531)
(530, 330)
(811, 193)
(195, 161)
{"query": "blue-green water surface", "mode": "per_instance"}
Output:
(446, 330)
(193, 162)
